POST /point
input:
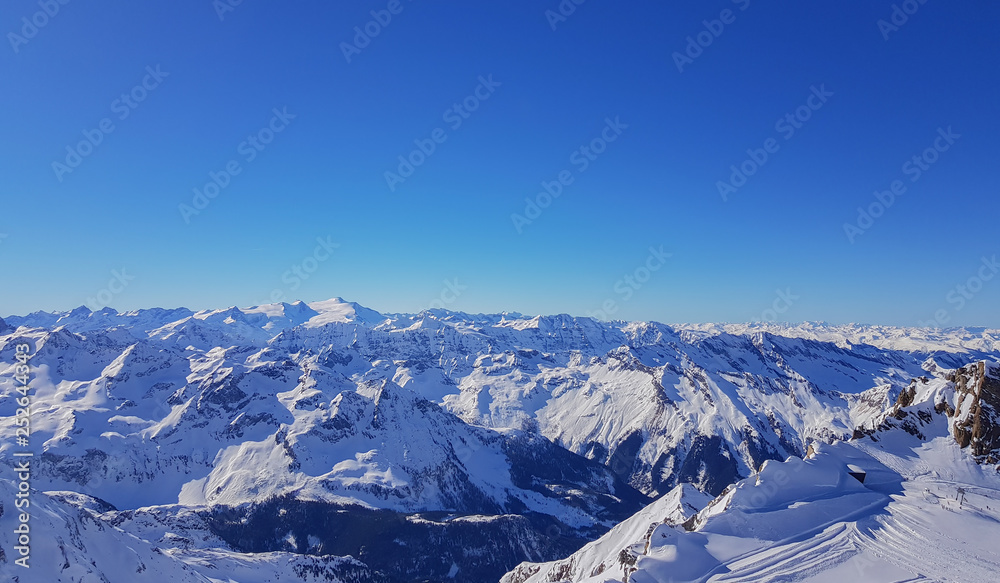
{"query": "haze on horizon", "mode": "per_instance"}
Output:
(689, 162)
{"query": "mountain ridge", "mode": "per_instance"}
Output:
(571, 424)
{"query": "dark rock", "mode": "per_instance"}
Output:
(978, 389)
(906, 396)
(975, 418)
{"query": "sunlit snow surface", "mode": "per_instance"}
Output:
(163, 411)
(809, 520)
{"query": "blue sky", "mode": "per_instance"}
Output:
(110, 228)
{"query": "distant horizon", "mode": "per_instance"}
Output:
(731, 161)
(456, 292)
(514, 313)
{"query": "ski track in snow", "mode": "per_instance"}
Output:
(903, 523)
(909, 534)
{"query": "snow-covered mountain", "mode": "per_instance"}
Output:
(541, 433)
(78, 538)
(904, 501)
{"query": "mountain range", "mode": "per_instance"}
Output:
(330, 442)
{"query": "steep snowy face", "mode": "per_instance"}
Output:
(380, 445)
(658, 407)
(970, 398)
(538, 432)
(673, 508)
(148, 423)
(199, 396)
(74, 537)
(906, 500)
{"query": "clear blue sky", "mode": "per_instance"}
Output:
(323, 175)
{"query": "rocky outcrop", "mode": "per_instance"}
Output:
(968, 396)
(976, 421)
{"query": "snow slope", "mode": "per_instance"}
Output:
(73, 540)
(658, 405)
(674, 508)
(535, 424)
(810, 520)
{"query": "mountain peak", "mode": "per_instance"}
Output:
(550, 421)
(339, 310)
(80, 311)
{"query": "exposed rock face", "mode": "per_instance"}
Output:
(968, 396)
(977, 410)
(4, 327)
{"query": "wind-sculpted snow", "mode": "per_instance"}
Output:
(593, 559)
(492, 415)
(924, 509)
